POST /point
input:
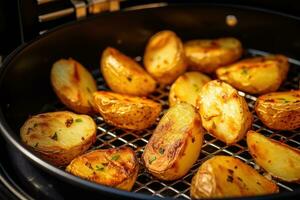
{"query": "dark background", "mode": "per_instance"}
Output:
(19, 18)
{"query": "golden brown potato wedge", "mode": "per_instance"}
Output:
(125, 76)
(256, 75)
(187, 87)
(279, 159)
(125, 111)
(175, 144)
(226, 176)
(279, 110)
(223, 112)
(207, 55)
(116, 168)
(59, 137)
(164, 57)
(73, 85)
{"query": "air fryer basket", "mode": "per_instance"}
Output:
(25, 85)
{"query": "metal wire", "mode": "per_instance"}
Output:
(109, 136)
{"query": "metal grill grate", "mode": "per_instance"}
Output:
(110, 136)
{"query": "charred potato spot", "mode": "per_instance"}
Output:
(70, 81)
(53, 138)
(207, 55)
(225, 176)
(279, 110)
(256, 75)
(164, 57)
(111, 167)
(175, 144)
(187, 87)
(124, 75)
(224, 113)
(279, 159)
(125, 111)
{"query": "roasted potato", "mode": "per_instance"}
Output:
(279, 110)
(256, 75)
(73, 85)
(59, 137)
(226, 176)
(116, 168)
(164, 57)
(125, 76)
(223, 112)
(175, 144)
(279, 159)
(125, 111)
(187, 87)
(207, 55)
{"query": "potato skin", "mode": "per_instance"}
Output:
(207, 55)
(279, 110)
(124, 111)
(125, 76)
(164, 57)
(73, 85)
(258, 75)
(226, 176)
(187, 87)
(175, 144)
(279, 159)
(223, 112)
(116, 168)
(59, 137)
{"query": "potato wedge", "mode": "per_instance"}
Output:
(125, 76)
(226, 176)
(223, 112)
(187, 87)
(116, 168)
(207, 55)
(279, 110)
(256, 75)
(279, 159)
(175, 144)
(59, 137)
(123, 111)
(73, 85)
(164, 57)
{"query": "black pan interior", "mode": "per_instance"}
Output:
(24, 80)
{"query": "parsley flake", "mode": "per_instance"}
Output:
(152, 159)
(78, 120)
(115, 157)
(100, 167)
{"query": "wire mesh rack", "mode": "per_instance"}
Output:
(110, 137)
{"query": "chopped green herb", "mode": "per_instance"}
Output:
(161, 151)
(115, 157)
(78, 120)
(244, 71)
(196, 87)
(36, 145)
(153, 158)
(54, 136)
(100, 167)
(283, 99)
